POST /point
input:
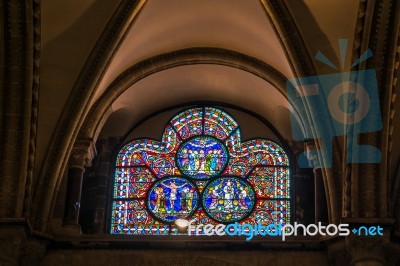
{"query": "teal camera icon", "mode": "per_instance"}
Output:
(340, 104)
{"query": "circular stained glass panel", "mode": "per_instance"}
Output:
(202, 157)
(228, 199)
(172, 198)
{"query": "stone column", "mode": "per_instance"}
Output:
(321, 206)
(81, 156)
(367, 251)
(96, 187)
(103, 182)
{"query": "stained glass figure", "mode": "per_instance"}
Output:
(172, 198)
(228, 199)
(202, 157)
(200, 170)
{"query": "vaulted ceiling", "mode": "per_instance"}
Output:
(71, 29)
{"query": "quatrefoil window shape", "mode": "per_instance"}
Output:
(200, 170)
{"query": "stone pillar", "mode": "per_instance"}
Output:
(303, 184)
(367, 251)
(96, 187)
(103, 175)
(321, 206)
(81, 156)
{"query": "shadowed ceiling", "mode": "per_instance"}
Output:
(70, 30)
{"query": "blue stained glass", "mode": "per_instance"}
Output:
(249, 180)
(202, 157)
(228, 199)
(172, 198)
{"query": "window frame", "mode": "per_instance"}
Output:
(282, 144)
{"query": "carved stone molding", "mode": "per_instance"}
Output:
(16, 78)
(394, 182)
(383, 46)
(95, 188)
(35, 104)
(367, 250)
(313, 160)
(301, 60)
(80, 159)
(82, 153)
(375, 25)
(290, 37)
(364, 10)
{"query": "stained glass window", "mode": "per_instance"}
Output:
(228, 199)
(202, 171)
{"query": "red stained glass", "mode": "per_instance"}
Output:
(144, 163)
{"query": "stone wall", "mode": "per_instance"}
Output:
(174, 257)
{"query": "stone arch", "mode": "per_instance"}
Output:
(79, 109)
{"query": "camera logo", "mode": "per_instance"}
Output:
(340, 104)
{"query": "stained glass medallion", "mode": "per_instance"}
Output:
(200, 170)
(172, 198)
(202, 157)
(228, 199)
